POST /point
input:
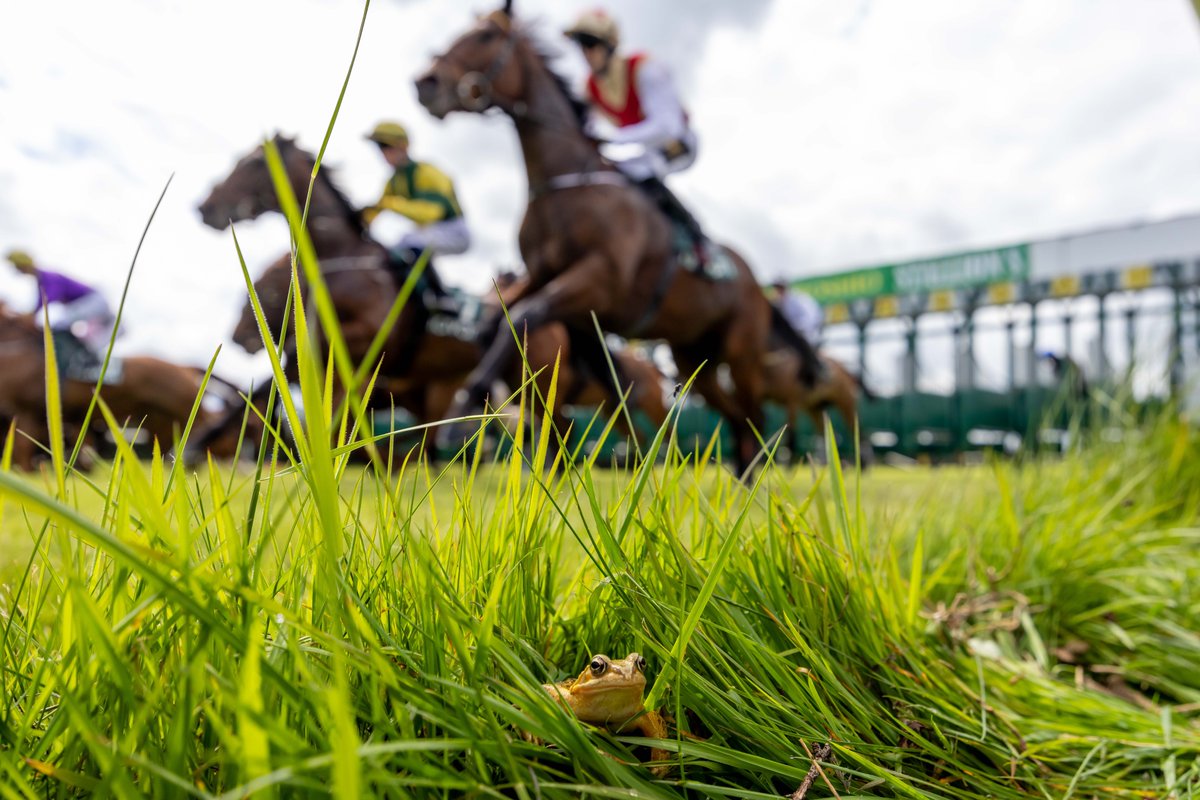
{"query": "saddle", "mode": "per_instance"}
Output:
(459, 315)
(691, 251)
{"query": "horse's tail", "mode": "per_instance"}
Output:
(810, 362)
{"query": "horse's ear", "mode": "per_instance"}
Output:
(507, 8)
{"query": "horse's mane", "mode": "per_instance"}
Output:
(547, 54)
(327, 173)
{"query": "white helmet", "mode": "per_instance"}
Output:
(595, 24)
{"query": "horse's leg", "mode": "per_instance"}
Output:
(792, 411)
(746, 372)
(590, 351)
(722, 402)
(648, 392)
(438, 397)
(744, 349)
(816, 413)
(24, 450)
(845, 399)
(571, 293)
(543, 348)
(421, 403)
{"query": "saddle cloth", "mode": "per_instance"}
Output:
(78, 363)
(460, 315)
(718, 268)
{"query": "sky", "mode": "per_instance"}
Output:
(832, 135)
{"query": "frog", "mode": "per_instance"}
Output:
(610, 693)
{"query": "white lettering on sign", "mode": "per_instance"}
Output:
(973, 269)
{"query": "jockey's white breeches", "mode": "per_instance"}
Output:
(653, 162)
(450, 237)
(89, 318)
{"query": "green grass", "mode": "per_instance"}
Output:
(313, 628)
(1004, 631)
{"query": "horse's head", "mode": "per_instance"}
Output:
(272, 290)
(247, 192)
(479, 71)
(246, 333)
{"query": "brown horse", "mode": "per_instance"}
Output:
(352, 264)
(420, 364)
(428, 397)
(272, 289)
(152, 395)
(593, 242)
(837, 388)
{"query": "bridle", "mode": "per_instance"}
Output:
(474, 93)
(474, 88)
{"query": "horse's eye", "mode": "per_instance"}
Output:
(597, 666)
(487, 36)
(641, 664)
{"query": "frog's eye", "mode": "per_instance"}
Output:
(641, 664)
(598, 666)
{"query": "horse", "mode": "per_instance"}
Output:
(594, 243)
(151, 394)
(837, 388)
(354, 267)
(352, 263)
(428, 400)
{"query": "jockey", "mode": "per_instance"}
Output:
(425, 195)
(801, 311)
(637, 95)
(73, 307)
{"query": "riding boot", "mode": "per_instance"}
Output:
(434, 281)
(676, 211)
(400, 262)
(812, 368)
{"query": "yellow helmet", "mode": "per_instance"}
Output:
(596, 24)
(389, 133)
(19, 258)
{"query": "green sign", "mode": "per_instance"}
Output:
(960, 271)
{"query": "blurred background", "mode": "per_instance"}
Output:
(832, 137)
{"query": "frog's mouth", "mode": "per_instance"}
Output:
(633, 687)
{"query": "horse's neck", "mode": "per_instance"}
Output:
(329, 226)
(332, 235)
(552, 140)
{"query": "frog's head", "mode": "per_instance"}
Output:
(609, 689)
